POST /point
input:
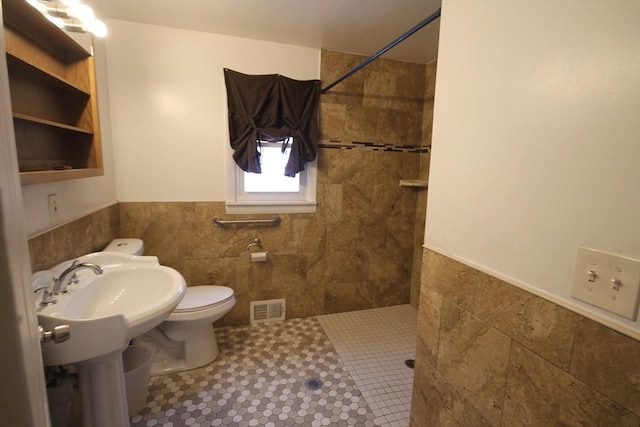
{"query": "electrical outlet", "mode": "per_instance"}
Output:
(54, 212)
(608, 281)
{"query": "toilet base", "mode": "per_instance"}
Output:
(180, 346)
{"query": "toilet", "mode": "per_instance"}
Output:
(186, 339)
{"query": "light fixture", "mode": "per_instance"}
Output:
(70, 15)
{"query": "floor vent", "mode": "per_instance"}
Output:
(267, 311)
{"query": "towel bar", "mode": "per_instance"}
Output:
(271, 221)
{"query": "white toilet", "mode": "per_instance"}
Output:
(186, 339)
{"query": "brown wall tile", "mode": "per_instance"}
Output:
(469, 343)
(609, 362)
(540, 325)
(539, 393)
(453, 280)
(473, 357)
(436, 403)
(429, 324)
(85, 235)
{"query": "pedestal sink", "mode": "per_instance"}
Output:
(132, 296)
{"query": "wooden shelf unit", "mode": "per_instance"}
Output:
(53, 98)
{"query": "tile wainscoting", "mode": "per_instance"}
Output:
(84, 235)
(489, 353)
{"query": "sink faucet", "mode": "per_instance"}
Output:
(60, 284)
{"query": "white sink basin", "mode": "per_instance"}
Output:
(104, 312)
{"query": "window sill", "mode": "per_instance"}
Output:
(269, 207)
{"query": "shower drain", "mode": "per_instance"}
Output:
(313, 383)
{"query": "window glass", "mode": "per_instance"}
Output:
(272, 178)
(271, 191)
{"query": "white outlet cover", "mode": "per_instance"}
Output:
(599, 290)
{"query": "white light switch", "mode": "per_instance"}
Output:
(608, 281)
(53, 208)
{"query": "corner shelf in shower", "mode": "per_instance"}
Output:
(416, 183)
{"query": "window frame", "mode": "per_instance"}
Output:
(238, 201)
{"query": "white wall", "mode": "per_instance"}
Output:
(168, 105)
(536, 140)
(79, 197)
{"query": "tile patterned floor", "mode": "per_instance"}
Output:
(373, 346)
(267, 375)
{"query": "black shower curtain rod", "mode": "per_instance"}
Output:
(435, 15)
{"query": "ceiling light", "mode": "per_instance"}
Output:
(70, 15)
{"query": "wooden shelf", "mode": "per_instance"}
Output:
(45, 122)
(23, 66)
(53, 98)
(41, 177)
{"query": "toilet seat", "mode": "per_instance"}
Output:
(204, 304)
(202, 297)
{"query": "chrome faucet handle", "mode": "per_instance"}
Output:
(48, 297)
(73, 280)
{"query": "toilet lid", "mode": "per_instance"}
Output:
(198, 297)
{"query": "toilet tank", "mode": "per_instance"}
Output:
(127, 246)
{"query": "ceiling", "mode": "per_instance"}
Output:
(355, 26)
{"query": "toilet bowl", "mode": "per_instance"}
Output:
(186, 339)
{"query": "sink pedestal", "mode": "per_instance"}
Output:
(133, 295)
(103, 391)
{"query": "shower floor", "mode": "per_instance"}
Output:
(343, 369)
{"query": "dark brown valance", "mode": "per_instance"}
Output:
(272, 108)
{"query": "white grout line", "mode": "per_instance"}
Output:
(373, 345)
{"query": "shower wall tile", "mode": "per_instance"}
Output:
(383, 265)
(355, 167)
(399, 127)
(361, 124)
(343, 235)
(357, 200)
(330, 200)
(289, 271)
(384, 293)
(428, 106)
(350, 91)
(383, 102)
(344, 296)
(372, 235)
(489, 353)
(421, 194)
(333, 119)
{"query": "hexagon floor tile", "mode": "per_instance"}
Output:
(275, 374)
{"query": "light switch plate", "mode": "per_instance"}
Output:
(53, 207)
(608, 281)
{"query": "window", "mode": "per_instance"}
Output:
(271, 191)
